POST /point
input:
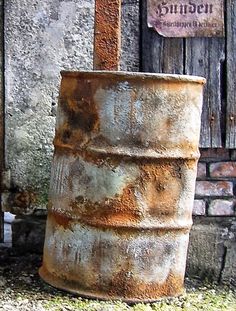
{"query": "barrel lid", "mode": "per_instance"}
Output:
(134, 75)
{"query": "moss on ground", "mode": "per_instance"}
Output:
(210, 298)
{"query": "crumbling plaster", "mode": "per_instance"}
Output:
(41, 39)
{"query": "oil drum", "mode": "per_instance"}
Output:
(122, 184)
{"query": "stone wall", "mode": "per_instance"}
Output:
(212, 249)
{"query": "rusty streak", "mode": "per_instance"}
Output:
(107, 34)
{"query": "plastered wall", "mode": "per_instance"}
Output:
(41, 39)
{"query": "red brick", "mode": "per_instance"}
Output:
(215, 154)
(219, 188)
(223, 169)
(199, 208)
(221, 208)
(201, 170)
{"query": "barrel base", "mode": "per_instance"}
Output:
(71, 288)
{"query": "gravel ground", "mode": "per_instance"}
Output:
(22, 289)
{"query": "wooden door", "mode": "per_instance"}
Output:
(213, 58)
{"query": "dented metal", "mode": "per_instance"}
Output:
(122, 184)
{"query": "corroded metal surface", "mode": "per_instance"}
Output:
(107, 34)
(122, 184)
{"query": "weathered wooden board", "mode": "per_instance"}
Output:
(195, 56)
(231, 72)
(202, 18)
(205, 57)
(1, 115)
(1, 226)
(159, 54)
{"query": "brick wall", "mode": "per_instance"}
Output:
(215, 193)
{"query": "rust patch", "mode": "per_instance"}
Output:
(80, 124)
(131, 293)
(59, 219)
(100, 160)
(111, 212)
(125, 286)
(190, 164)
(79, 114)
(24, 199)
(122, 285)
(155, 194)
(173, 286)
(161, 187)
(107, 34)
(21, 201)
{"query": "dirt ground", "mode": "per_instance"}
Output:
(22, 289)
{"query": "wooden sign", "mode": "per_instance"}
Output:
(186, 18)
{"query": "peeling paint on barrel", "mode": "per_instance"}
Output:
(122, 184)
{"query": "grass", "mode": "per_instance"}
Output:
(209, 298)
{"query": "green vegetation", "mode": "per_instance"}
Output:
(207, 298)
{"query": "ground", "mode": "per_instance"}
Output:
(22, 289)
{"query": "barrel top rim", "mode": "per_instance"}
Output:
(129, 75)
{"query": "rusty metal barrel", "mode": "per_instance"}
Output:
(122, 184)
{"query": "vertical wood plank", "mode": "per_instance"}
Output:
(1, 111)
(231, 75)
(2, 227)
(204, 57)
(159, 54)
